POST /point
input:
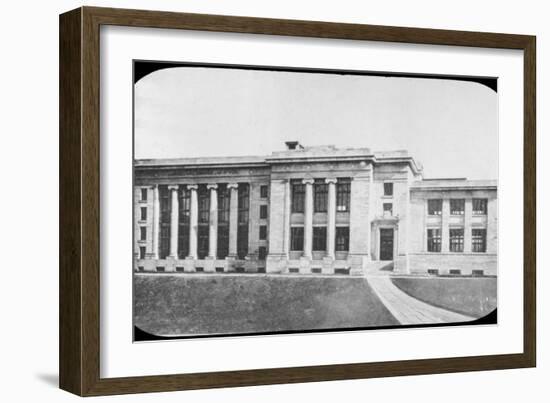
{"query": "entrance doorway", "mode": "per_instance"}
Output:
(386, 243)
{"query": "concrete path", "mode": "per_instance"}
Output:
(408, 310)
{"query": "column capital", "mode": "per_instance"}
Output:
(173, 187)
(331, 180)
(308, 181)
(232, 185)
(212, 186)
(192, 187)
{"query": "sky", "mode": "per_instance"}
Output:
(450, 126)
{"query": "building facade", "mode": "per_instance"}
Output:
(311, 210)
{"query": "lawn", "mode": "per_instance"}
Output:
(470, 296)
(203, 304)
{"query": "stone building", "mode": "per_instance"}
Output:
(311, 210)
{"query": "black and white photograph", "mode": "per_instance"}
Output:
(273, 200)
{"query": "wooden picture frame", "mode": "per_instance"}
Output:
(80, 187)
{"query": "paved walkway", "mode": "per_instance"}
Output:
(406, 309)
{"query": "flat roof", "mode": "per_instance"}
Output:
(309, 154)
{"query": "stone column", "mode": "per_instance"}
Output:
(193, 221)
(445, 215)
(213, 222)
(468, 226)
(277, 257)
(331, 217)
(233, 218)
(308, 219)
(174, 221)
(156, 222)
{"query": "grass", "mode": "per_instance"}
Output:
(470, 296)
(178, 305)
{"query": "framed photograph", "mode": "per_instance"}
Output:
(248, 201)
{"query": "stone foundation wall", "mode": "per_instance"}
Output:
(444, 263)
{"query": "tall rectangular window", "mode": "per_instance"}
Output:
(457, 206)
(142, 252)
(263, 191)
(143, 213)
(165, 207)
(223, 205)
(184, 221)
(479, 206)
(320, 238)
(263, 211)
(202, 240)
(479, 240)
(320, 196)
(243, 205)
(342, 194)
(342, 239)
(434, 240)
(143, 194)
(298, 197)
(297, 238)
(456, 237)
(204, 204)
(142, 233)
(388, 209)
(388, 189)
(223, 221)
(435, 206)
(263, 232)
(223, 242)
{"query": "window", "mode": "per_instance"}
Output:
(142, 233)
(223, 205)
(243, 203)
(479, 240)
(143, 214)
(164, 247)
(165, 208)
(320, 196)
(204, 204)
(183, 217)
(388, 189)
(262, 252)
(388, 209)
(297, 238)
(342, 239)
(456, 236)
(479, 206)
(457, 206)
(298, 197)
(263, 232)
(223, 242)
(142, 252)
(223, 222)
(435, 206)
(143, 194)
(342, 194)
(263, 191)
(320, 238)
(263, 211)
(202, 238)
(434, 240)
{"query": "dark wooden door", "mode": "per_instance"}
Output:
(386, 243)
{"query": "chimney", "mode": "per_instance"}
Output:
(293, 145)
